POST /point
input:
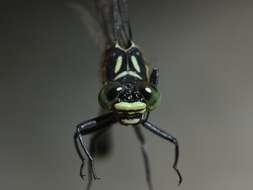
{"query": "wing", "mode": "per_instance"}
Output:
(109, 24)
(122, 25)
(92, 25)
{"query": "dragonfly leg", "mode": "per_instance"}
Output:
(79, 137)
(169, 138)
(88, 127)
(92, 148)
(142, 140)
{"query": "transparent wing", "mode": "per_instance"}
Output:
(92, 24)
(113, 16)
(105, 18)
(122, 23)
(109, 24)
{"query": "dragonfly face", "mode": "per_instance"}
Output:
(128, 90)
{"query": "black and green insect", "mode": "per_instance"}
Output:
(129, 91)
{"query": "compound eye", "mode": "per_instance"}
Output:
(109, 94)
(151, 95)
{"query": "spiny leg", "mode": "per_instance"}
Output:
(92, 149)
(90, 158)
(169, 138)
(141, 138)
(81, 158)
(88, 127)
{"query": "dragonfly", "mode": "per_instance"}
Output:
(130, 86)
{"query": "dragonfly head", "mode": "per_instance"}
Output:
(132, 101)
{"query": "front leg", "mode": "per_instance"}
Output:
(88, 127)
(169, 138)
(93, 142)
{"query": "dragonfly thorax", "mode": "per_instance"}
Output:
(120, 63)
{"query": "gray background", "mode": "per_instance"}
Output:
(49, 82)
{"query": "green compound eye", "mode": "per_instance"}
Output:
(151, 95)
(109, 94)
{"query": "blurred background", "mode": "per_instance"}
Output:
(49, 82)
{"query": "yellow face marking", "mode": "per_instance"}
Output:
(118, 64)
(126, 106)
(130, 121)
(135, 63)
(134, 112)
